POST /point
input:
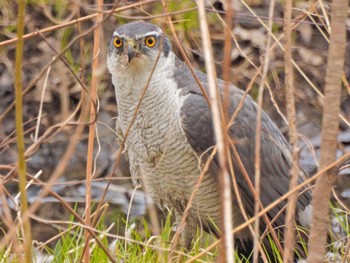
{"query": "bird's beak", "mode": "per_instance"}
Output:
(131, 49)
(131, 53)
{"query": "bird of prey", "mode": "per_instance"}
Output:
(171, 133)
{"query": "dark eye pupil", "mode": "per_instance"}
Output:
(118, 42)
(150, 41)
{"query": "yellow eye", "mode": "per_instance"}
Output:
(150, 41)
(118, 42)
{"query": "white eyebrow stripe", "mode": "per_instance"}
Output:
(151, 33)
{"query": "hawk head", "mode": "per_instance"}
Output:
(137, 45)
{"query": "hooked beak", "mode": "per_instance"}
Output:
(131, 45)
(131, 53)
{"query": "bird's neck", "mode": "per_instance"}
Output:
(156, 90)
(137, 79)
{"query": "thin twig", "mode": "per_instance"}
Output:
(41, 104)
(91, 140)
(128, 213)
(289, 232)
(258, 135)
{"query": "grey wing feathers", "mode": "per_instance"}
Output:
(196, 120)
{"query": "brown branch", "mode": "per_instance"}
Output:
(330, 126)
(92, 126)
(226, 250)
(289, 231)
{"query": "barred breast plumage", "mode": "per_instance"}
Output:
(159, 154)
(172, 130)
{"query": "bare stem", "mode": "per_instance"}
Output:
(19, 133)
(258, 135)
(224, 177)
(289, 239)
(92, 127)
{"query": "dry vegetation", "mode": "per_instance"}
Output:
(71, 176)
